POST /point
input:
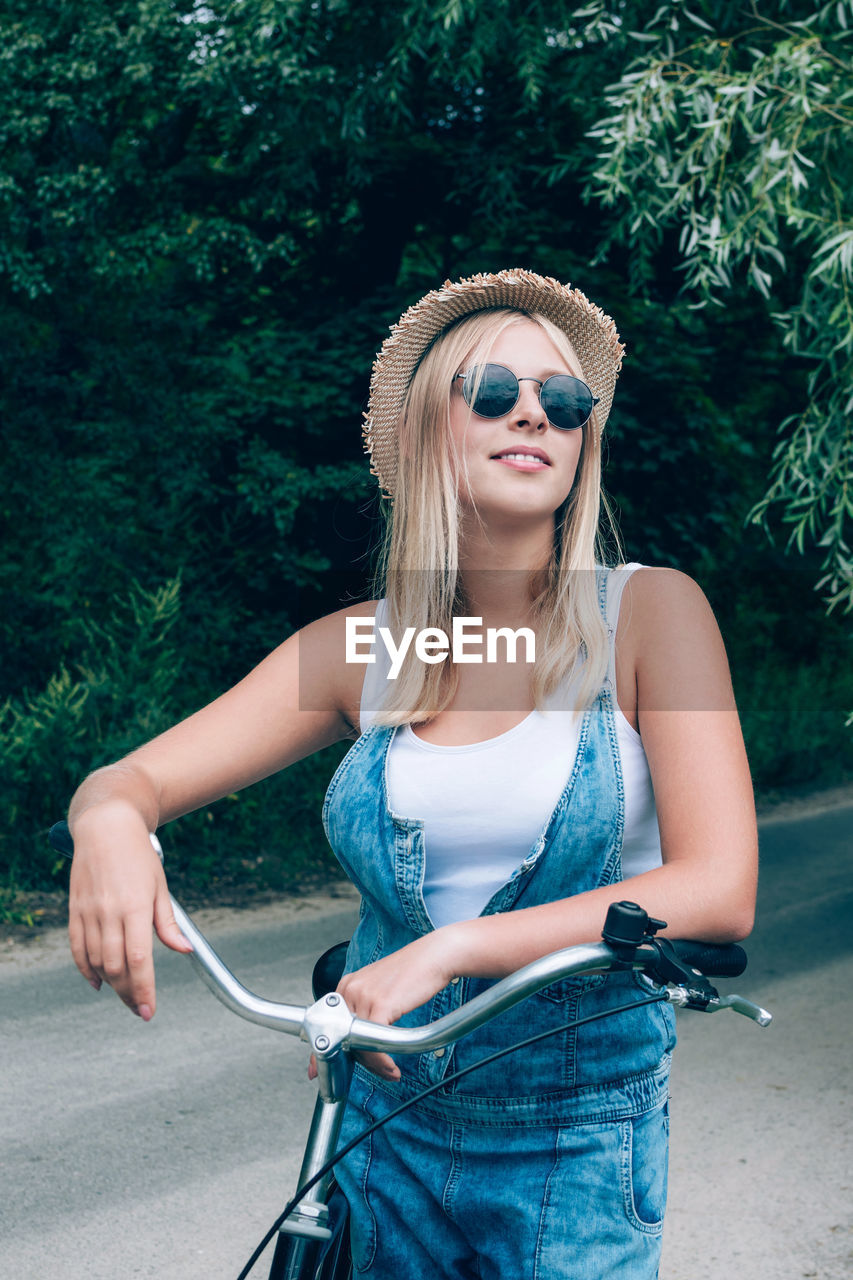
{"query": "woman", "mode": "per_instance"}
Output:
(489, 810)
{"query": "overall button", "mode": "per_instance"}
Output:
(453, 981)
(438, 1053)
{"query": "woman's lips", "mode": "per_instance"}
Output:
(523, 459)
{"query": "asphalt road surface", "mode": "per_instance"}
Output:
(165, 1150)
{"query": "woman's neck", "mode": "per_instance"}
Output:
(497, 569)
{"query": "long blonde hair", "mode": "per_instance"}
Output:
(418, 571)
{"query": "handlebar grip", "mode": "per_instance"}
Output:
(61, 840)
(727, 961)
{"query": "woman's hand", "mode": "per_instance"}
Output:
(117, 892)
(302, 697)
(384, 991)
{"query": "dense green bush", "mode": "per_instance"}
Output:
(125, 687)
(120, 692)
(791, 669)
(209, 215)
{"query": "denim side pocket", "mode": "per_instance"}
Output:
(645, 1146)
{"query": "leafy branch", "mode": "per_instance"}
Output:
(739, 139)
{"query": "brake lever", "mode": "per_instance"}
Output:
(668, 968)
(629, 930)
(740, 1005)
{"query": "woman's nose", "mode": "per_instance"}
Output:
(528, 408)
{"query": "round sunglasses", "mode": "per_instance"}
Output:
(492, 391)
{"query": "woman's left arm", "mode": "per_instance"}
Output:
(694, 746)
(671, 657)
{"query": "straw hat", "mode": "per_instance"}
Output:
(592, 334)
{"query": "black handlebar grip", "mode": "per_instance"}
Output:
(60, 839)
(727, 961)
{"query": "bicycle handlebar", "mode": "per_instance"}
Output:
(676, 967)
(218, 977)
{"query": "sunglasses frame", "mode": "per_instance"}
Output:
(542, 385)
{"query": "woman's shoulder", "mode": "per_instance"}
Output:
(336, 622)
(649, 597)
(659, 586)
(333, 651)
(668, 630)
(343, 635)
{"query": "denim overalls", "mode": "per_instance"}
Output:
(551, 1162)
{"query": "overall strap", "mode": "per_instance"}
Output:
(615, 583)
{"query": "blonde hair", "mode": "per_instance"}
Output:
(418, 570)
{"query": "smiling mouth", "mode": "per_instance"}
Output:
(523, 455)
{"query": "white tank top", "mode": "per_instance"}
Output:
(483, 805)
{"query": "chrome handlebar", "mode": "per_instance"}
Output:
(331, 1028)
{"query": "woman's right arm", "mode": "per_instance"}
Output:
(299, 699)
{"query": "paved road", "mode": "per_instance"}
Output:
(762, 1141)
(165, 1150)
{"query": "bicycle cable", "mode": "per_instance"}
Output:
(425, 1093)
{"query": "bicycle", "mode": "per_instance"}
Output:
(311, 1232)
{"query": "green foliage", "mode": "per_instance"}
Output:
(793, 720)
(255, 138)
(125, 688)
(792, 674)
(210, 213)
(732, 127)
(267, 838)
(120, 693)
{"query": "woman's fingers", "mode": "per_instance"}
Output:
(388, 988)
(79, 951)
(361, 1001)
(112, 966)
(119, 952)
(165, 923)
(380, 1064)
(118, 897)
(136, 984)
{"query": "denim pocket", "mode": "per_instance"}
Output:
(540, 1070)
(645, 1141)
(567, 988)
(630, 1041)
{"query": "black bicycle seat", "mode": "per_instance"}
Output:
(329, 970)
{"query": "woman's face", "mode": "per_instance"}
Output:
(518, 466)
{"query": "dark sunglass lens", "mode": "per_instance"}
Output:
(568, 402)
(497, 391)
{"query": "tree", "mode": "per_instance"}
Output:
(732, 127)
(210, 212)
